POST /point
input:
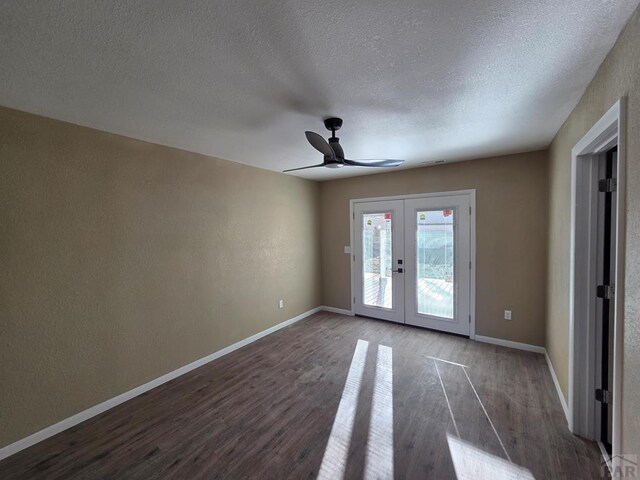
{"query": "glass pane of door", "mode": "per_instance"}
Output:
(435, 263)
(377, 251)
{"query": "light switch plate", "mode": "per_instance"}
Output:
(347, 249)
(507, 314)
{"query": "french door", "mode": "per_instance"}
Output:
(379, 257)
(412, 261)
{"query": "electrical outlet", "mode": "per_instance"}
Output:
(280, 303)
(507, 314)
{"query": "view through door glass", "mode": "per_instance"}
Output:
(435, 263)
(377, 251)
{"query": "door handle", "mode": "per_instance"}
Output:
(397, 271)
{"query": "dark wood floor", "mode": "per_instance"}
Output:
(266, 411)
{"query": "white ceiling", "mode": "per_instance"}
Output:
(242, 80)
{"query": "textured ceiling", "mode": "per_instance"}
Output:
(422, 80)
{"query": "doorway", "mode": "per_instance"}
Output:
(412, 260)
(605, 291)
(596, 287)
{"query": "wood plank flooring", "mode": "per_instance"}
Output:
(266, 411)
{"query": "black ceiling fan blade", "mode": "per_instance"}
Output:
(374, 163)
(303, 168)
(337, 148)
(320, 144)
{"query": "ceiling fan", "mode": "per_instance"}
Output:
(333, 153)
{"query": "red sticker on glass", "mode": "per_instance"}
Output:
(387, 216)
(447, 213)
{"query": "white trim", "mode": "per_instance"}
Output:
(536, 349)
(602, 135)
(618, 338)
(606, 133)
(472, 279)
(563, 402)
(508, 343)
(472, 200)
(341, 311)
(415, 195)
(123, 397)
(352, 257)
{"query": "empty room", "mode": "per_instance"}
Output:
(320, 239)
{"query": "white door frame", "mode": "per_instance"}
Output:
(472, 201)
(608, 132)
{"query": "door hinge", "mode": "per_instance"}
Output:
(469, 318)
(354, 257)
(354, 215)
(603, 396)
(469, 265)
(469, 210)
(605, 291)
(354, 299)
(607, 185)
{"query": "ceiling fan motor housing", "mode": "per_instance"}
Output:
(334, 165)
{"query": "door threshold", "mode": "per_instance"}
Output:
(417, 327)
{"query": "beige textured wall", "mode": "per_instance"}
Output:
(511, 235)
(123, 260)
(618, 76)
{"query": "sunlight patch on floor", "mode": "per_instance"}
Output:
(334, 461)
(469, 461)
(379, 463)
(472, 463)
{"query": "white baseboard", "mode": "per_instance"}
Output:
(112, 402)
(510, 344)
(338, 310)
(563, 402)
(535, 349)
